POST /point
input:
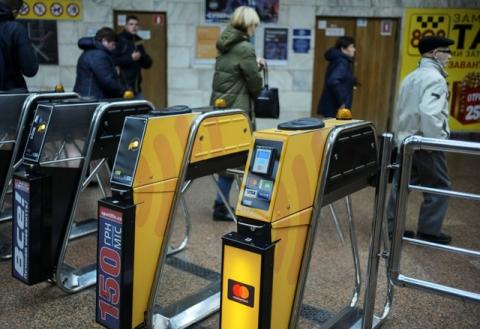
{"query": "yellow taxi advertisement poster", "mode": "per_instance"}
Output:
(462, 26)
(51, 9)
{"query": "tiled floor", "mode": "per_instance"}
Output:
(330, 281)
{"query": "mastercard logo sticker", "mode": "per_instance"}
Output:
(241, 292)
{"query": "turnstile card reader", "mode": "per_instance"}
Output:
(263, 266)
(65, 137)
(155, 156)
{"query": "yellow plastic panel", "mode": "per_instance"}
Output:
(245, 267)
(221, 135)
(152, 210)
(299, 175)
(163, 148)
(291, 233)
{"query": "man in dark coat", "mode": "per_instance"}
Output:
(17, 57)
(339, 80)
(96, 74)
(131, 57)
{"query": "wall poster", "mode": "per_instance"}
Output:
(207, 37)
(301, 41)
(221, 10)
(462, 26)
(275, 45)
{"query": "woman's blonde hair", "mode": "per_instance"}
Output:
(243, 17)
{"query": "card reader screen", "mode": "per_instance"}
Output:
(262, 160)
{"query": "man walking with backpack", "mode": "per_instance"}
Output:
(17, 57)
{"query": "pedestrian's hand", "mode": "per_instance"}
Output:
(136, 55)
(261, 62)
(117, 68)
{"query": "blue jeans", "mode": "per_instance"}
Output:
(225, 184)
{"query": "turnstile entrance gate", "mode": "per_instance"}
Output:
(157, 154)
(291, 172)
(66, 136)
(16, 113)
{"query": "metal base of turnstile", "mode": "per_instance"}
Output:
(6, 214)
(83, 228)
(349, 317)
(79, 230)
(189, 310)
(76, 279)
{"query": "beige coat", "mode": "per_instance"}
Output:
(422, 107)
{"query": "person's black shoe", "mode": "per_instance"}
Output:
(440, 239)
(220, 213)
(406, 234)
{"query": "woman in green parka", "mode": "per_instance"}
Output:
(237, 80)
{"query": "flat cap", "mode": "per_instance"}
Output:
(430, 43)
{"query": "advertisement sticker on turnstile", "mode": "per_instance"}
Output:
(31, 210)
(114, 279)
(22, 198)
(116, 232)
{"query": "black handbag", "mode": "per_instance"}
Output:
(267, 104)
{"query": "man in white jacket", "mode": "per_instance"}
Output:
(422, 109)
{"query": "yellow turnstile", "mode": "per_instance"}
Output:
(291, 172)
(157, 154)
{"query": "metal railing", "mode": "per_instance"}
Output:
(409, 147)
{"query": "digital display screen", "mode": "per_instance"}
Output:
(261, 162)
(36, 138)
(128, 151)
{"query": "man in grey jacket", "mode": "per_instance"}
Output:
(422, 109)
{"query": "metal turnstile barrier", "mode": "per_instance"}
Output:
(409, 146)
(157, 156)
(291, 173)
(378, 247)
(16, 115)
(67, 139)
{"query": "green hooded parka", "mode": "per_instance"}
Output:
(237, 78)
